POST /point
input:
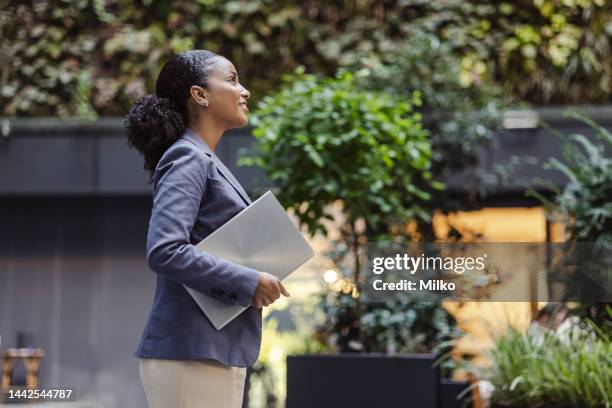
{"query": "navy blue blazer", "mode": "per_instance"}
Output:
(194, 194)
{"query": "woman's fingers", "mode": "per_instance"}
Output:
(283, 289)
(261, 300)
(278, 290)
(269, 292)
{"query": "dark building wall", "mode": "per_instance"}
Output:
(74, 280)
(87, 159)
(55, 157)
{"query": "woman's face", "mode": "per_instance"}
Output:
(227, 98)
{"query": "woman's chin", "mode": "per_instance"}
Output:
(239, 121)
(244, 121)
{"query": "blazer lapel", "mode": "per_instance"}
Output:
(230, 177)
(224, 171)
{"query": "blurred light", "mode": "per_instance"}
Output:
(330, 276)
(277, 353)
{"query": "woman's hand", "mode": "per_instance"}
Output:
(269, 288)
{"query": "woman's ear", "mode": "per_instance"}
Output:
(199, 95)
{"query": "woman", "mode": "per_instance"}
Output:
(184, 361)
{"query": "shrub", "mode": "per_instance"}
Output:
(552, 371)
(324, 140)
(583, 204)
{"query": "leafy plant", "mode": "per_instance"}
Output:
(324, 140)
(327, 140)
(542, 51)
(583, 205)
(552, 371)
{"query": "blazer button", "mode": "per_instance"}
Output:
(233, 296)
(217, 291)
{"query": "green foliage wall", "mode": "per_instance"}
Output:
(88, 57)
(97, 56)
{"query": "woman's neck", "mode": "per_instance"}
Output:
(208, 132)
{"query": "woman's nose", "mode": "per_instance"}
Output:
(245, 93)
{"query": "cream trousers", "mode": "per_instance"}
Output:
(191, 384)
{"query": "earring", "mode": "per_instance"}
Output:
(205, 104)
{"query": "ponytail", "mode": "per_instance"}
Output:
(152, 126)
(155, 122)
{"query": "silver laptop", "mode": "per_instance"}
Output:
(262, 237)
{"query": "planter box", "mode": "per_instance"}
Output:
(362, 381)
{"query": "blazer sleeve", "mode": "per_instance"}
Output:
(179, 185)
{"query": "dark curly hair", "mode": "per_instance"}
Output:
(155, 122)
